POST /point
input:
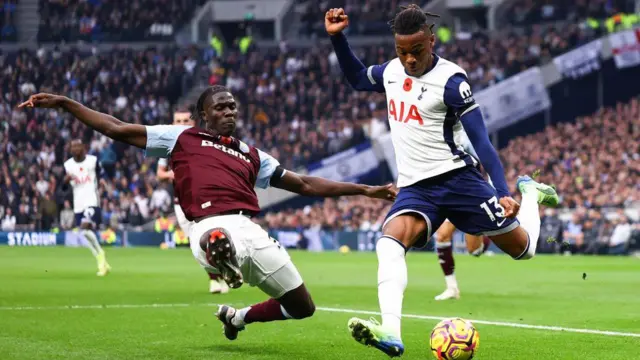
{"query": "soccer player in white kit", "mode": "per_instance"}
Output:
(185, 117)
(429, 102)
(82, 172)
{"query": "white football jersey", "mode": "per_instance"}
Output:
(84, 180)
(422, 111)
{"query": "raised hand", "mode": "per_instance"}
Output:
(335, 20)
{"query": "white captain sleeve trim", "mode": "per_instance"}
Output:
(469, 109)
(370, 75)
(268, 165)
(161, 139)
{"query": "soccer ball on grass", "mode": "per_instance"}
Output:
(454, 339)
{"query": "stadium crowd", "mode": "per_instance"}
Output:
(98, 20)
(138, 86)
(527, 12)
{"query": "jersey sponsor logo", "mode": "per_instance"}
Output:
(411, 114)
(465, 92)
(81, 180)
(225, 150)
(391, 82)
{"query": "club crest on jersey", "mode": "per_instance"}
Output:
(422, 91)
(412, 112)
(465, 92)
(407, 84)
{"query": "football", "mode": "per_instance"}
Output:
(454, 339)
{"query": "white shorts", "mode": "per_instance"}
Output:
(185, 224)
(263, 262)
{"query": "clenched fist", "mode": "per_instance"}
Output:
(335, 20)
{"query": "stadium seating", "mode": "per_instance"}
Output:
(99, 20)
(366, 17)
(527, 12)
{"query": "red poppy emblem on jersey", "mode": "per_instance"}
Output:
(226, 140)
(81, 169)
(407, 84)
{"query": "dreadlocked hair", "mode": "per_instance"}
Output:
(411, 19)
(210, 91)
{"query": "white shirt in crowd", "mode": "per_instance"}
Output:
(8, 223)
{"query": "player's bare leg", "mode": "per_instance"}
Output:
(96, 249)
(444, 248)
(400, 234)
(477, 244)
(521, 243)
(295, 304)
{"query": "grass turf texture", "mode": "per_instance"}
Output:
(545, 291)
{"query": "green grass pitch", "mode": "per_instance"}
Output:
(37, 286)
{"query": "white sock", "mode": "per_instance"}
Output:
(451, 281)
(92, 240)
(238, 319)
(529, 218)
(392, 281)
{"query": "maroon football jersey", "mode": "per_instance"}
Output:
(214, 174)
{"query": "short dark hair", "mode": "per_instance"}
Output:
(411, 19)
(210, 91)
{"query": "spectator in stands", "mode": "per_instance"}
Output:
(8, 221)
(621, 236)
(573, 234)
(551, 228)
(67, 217)
(24, 219)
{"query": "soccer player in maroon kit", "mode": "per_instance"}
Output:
(187, 117)
(215, 175)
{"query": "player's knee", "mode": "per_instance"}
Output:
(525, 252)
(303, 309)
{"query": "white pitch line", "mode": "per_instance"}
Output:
(494, 323)
(329, 309)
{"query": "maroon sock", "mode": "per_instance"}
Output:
(264, 312)
(214, 276)
(486, 242)
(445, 257)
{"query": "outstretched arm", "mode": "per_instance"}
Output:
(360, 77)
(316, 186)
(272, 174)
(108, 125)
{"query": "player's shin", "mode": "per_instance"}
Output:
(392, 282)
(529, 218)
(93, 242)
(270, 310)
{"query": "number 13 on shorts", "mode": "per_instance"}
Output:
(493, 202)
